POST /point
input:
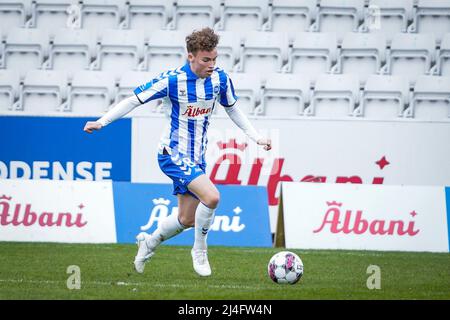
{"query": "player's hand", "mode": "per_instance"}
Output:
(90, 126)
(267, 143)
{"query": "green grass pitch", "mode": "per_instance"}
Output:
(39, 271)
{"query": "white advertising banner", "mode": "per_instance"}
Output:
(310, 150)
(57, 211)
(365, 217)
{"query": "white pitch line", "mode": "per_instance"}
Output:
(121, 283)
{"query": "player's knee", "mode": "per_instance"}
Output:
(212, 200)
(186, 221)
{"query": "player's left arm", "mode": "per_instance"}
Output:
(241, 120)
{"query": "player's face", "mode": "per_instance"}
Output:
(203, 62)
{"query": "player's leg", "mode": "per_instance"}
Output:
(209, 198)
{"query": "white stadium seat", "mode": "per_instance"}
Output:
(228, 50)
(432, 16)
(388, 17)
(102, 14)
(384, 97)
(242, 16)
(247, 87)
(166, 50)
(290, 16)
(443, 59)
(119, 51)
(9, 90)
(91, 93)
(285, 95)
(410, 55)
(431, 98)
(362, 54)
(13, 13)
(43, 91)
(340, 16)
(328, 95)
(72, 50)
(263, 52)
(149, 15)
(194, 14)
(50, 15)
(312, 54)
(25, 49)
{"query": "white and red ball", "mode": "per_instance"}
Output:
(285, 267)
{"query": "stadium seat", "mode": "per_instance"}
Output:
(242, 16)
(72, 50)
(443, 59)
(339, 16)
(148, 15)
(290, 16)
(432, 16)
(263, 52)
(388, 17)
(431, 98)
(43, 92)
(312, 54)
(91, 93)
(119, 51)
(9, 91)
(284, 95)
(362, 54)
(384, 97)
(130, 81)
(194, 14)
(13, 14)
(410, 55)
(102, 14)
(25, 49)
(228, 50)
(50, 15)
(328, 95)
(166, 50)
(248, 90)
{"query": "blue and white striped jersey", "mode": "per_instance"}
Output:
(189, 101)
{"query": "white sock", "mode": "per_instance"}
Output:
(204, 217)
(167, 229)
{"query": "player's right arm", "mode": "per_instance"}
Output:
(155, 89)
(122, 108)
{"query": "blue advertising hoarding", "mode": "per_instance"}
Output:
(242, 218)
(58, 149)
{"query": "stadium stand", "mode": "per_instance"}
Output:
(43, 92)
(334, 96)
(384, 97)
(383, 44)
(285, 95)
(431, 98)
(151, 15)
(71, 50)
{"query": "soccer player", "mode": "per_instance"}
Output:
(189, 93)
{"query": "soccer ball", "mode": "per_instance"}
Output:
(285, 267)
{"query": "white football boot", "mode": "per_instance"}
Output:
(200, 262)
(144, 252)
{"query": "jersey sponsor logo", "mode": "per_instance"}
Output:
(192, 111)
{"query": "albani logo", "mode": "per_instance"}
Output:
(192, 111)
(232, 151)
(350, 222)
(22, 214)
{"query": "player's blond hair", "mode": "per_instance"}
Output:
(202, 40)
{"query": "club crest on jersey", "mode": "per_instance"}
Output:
(182, 93)
(192, 111)
(216, 89)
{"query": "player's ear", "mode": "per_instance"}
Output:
(191, 56)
